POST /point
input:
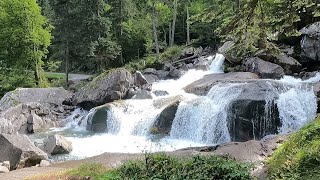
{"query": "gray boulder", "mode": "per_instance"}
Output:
(139, 79)
(151, 78)
(105, 88)
(164, 120)
(28, 118)
(203, 85)
(142, 94)
(160, 93)
(289, 64)
(54, 96)
(57, 144)
(20, 151)
(310, 43)
(263, 68)
(97, 121)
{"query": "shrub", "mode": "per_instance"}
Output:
(299, 157)
(161, 166)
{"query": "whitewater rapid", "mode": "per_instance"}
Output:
(199, 120)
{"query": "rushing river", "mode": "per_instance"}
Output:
(199, 120)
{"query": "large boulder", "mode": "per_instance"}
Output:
(164, 120)
(54, 96)
(20, 151)
(105, 88)
(29, 117)
(254, 114)
(139, 80)
(203, 85)
(289, 64)
(263, 68)
(57, 144)
(310, 43)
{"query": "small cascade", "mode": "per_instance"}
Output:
(205, 119)
(217, 64)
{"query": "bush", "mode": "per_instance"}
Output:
(299, 157)
(171, 54)
(161, 166)
(12, 79)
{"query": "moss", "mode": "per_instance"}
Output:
(299, 157)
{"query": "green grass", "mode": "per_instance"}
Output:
(299, 157)
(161, 166)
(54, 76)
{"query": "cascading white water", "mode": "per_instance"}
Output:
(205, 119)
(298, 105)
(199, 121)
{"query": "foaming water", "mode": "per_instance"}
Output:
(205, 119)
(98, 144)
(199, 120)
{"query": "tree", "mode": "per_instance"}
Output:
(24, 36)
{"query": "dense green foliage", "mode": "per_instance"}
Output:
(24, 39)
(254, 24)
(299, 157)
(161, 166)
(96, 35)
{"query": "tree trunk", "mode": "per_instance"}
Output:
(36, 69)
(155, 36)
(170, 25)
(188, 26)
(67, 63)
(174, 19)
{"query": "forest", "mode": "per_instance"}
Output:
(92, 36)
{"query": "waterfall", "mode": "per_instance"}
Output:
(217, 64)
(199, 120)
(205, 119)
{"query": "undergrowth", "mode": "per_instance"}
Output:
(299, 157)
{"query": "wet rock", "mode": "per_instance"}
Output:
(57, 144)
(175, 73)
(203, 85)
(164, 120)
(162, 74)
(160, 93)
(142, 94)
(151, 78)
(139, 79)
(310, 43)
(97, 122)
(104, 88)
(20, 151)
(263, 68)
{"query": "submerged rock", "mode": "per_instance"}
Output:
(57, 144)
(20, 151)
(142, 94)
(104, 88)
